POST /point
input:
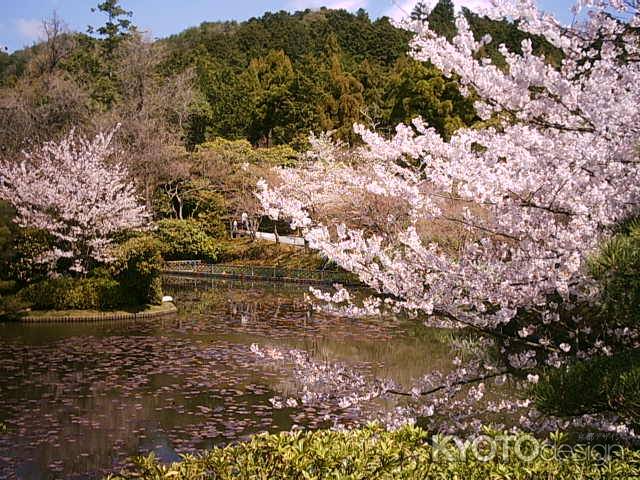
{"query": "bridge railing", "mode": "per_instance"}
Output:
(259, 272)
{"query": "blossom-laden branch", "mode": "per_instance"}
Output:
(446, 403)
(496, 225)
(540, 199)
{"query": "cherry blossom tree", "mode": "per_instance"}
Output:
(72, 190)
(493, 229)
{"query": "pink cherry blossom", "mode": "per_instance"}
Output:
(525, 201)
(72, 190)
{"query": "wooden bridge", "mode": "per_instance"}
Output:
(268, 273)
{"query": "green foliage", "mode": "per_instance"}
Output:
(617, 268)
(373, 453)
(11, 305)
(18, 262)
(420, 11)
(7, 286)
(12, 66)
(602, 384)
(209, 209)
(418, 89)
(137, 270)
(132, 280)
(7, 228)
(67, 293)
(244, 251)
(268, 83)
(442, 19)
(276, 78)
(186, 240)
(116, 28)
(195, 200)
(237, 152)
(507, 33)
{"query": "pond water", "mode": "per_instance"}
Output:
(77, 400)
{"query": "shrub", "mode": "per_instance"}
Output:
(74, 294)
(132, 280)
(210, 210)
(617, 268)
(199, 202)
(241, 151)
(186, 240)
(137, 269)
(373, 453)
(7, 287)
(18, 262)
(12, 304)
(7, 227)
(593, 386)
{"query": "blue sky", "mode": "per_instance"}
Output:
(20, 20)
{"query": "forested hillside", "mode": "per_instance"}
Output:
(274, 79)
(202, 115)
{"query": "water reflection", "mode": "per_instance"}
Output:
(79, 399)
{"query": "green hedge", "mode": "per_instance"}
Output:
(133, 279)
(16, 262)
(138, 268)
(373, 453)
(75, 294)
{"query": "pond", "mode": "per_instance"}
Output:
(77, 400)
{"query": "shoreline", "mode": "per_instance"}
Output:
(63, 316)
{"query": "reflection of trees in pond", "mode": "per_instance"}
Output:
(179, 384)
(387, 347)
(83, 438)
(92, 429)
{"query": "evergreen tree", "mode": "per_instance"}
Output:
(442, 19)
(269, 80)
(420, 12)
(117, 27)
(418, 89)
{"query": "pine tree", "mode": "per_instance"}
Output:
(442, 19)
(420, 12)
(117, 26)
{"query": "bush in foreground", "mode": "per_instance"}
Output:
(372, 452)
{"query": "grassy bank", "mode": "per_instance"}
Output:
(143, 311)
(244, 251)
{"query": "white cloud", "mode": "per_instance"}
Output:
(29, 29)
(403, 8)
(336, 4)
